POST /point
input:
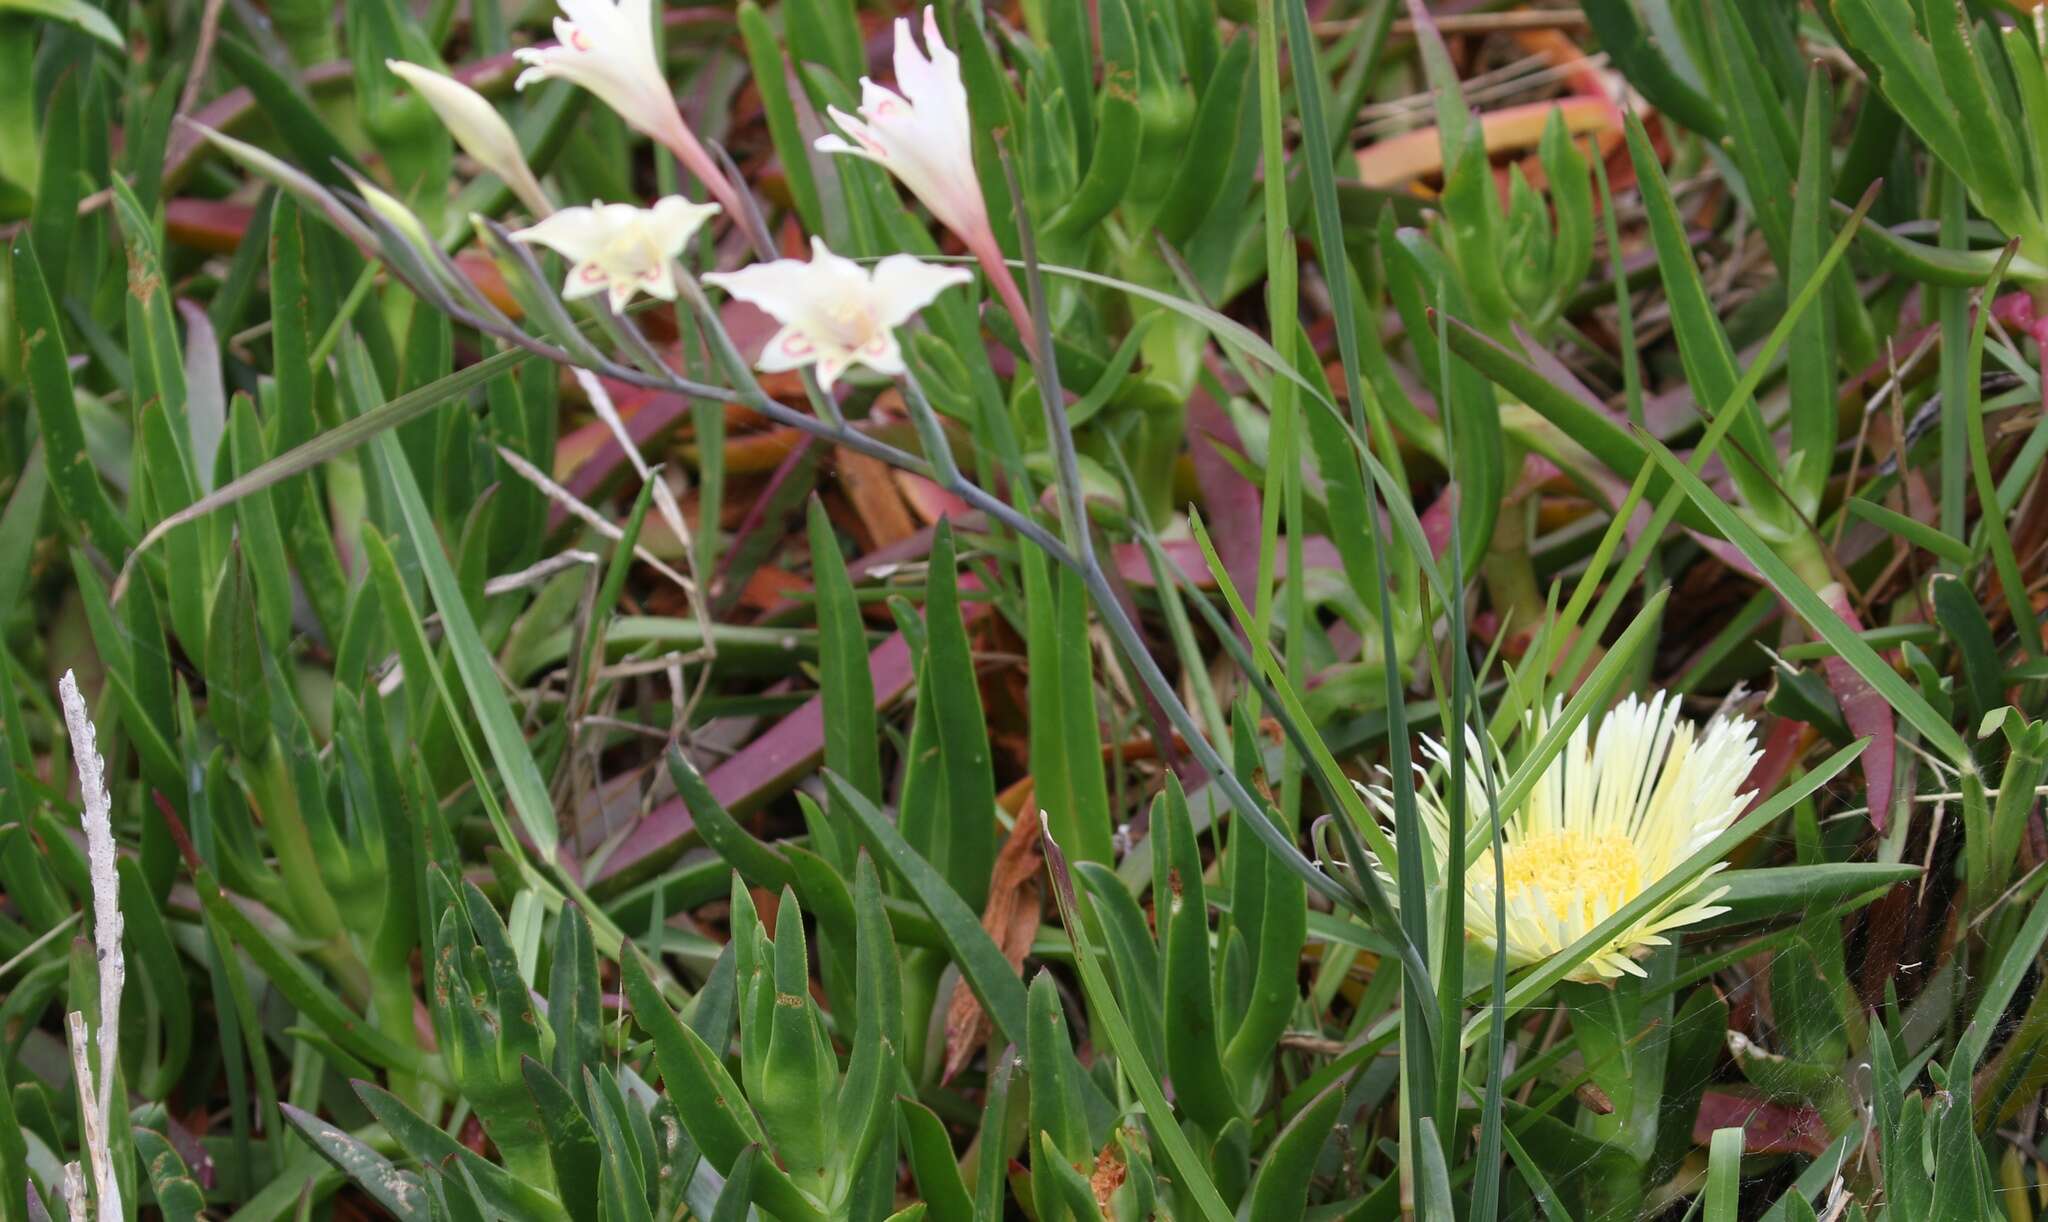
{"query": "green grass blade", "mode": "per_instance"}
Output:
(1912, 530)
(1193, 1176)
(844, 681)
(1810, 607)
(962, 730)
(77, 485)
(369, 424)
(396, 1191)
(1724, 1176)
(1990, 522)
(509, 749)
(1594, 693)
(2005, 980)
(981, 963)
(524, 785)
(1703, 345)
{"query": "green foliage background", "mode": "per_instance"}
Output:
(486, 859)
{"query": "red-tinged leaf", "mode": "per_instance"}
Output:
(226, 113)
(1345, 643)
(750, 327)
(881, 560)
(1317, 552)
(1536, 472)
(772, 763)
(769, 586)
(1767, 1127)
(1438, 519)
(1783, 743)
(587, 456)
(764, 523)
(1727, 553)
(929, 501)
(876, 499)
(489, 279)
(1865, 711)
(207, 224)
(1230, 502)
(2015, 311)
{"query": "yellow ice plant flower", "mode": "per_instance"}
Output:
(1616, 811)
(620, 248)
(834, 312)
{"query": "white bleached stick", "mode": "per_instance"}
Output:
(97, 1104)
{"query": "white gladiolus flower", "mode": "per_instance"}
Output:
(96, 1102)
(479, 129)
(921, 134)
(608, 48)
(1605, 821)
(836, 313)
(621, 248)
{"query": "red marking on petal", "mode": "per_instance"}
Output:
(591, 272)
(797, 345)
(578, 39)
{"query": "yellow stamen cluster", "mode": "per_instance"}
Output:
(1571, 871)
(1614, 812)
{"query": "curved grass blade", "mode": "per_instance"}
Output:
(334, 442)
(395, 1190)
(981, 962)
(509, 749)
(47, 367)
(1194, 1176)
(1811, 607)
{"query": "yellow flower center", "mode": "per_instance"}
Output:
(632, 255)
(850, 323)
(1575, 871)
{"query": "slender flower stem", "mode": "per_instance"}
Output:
(1083, 560)
(677, 138)
(1080, 556)
(997, 268)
